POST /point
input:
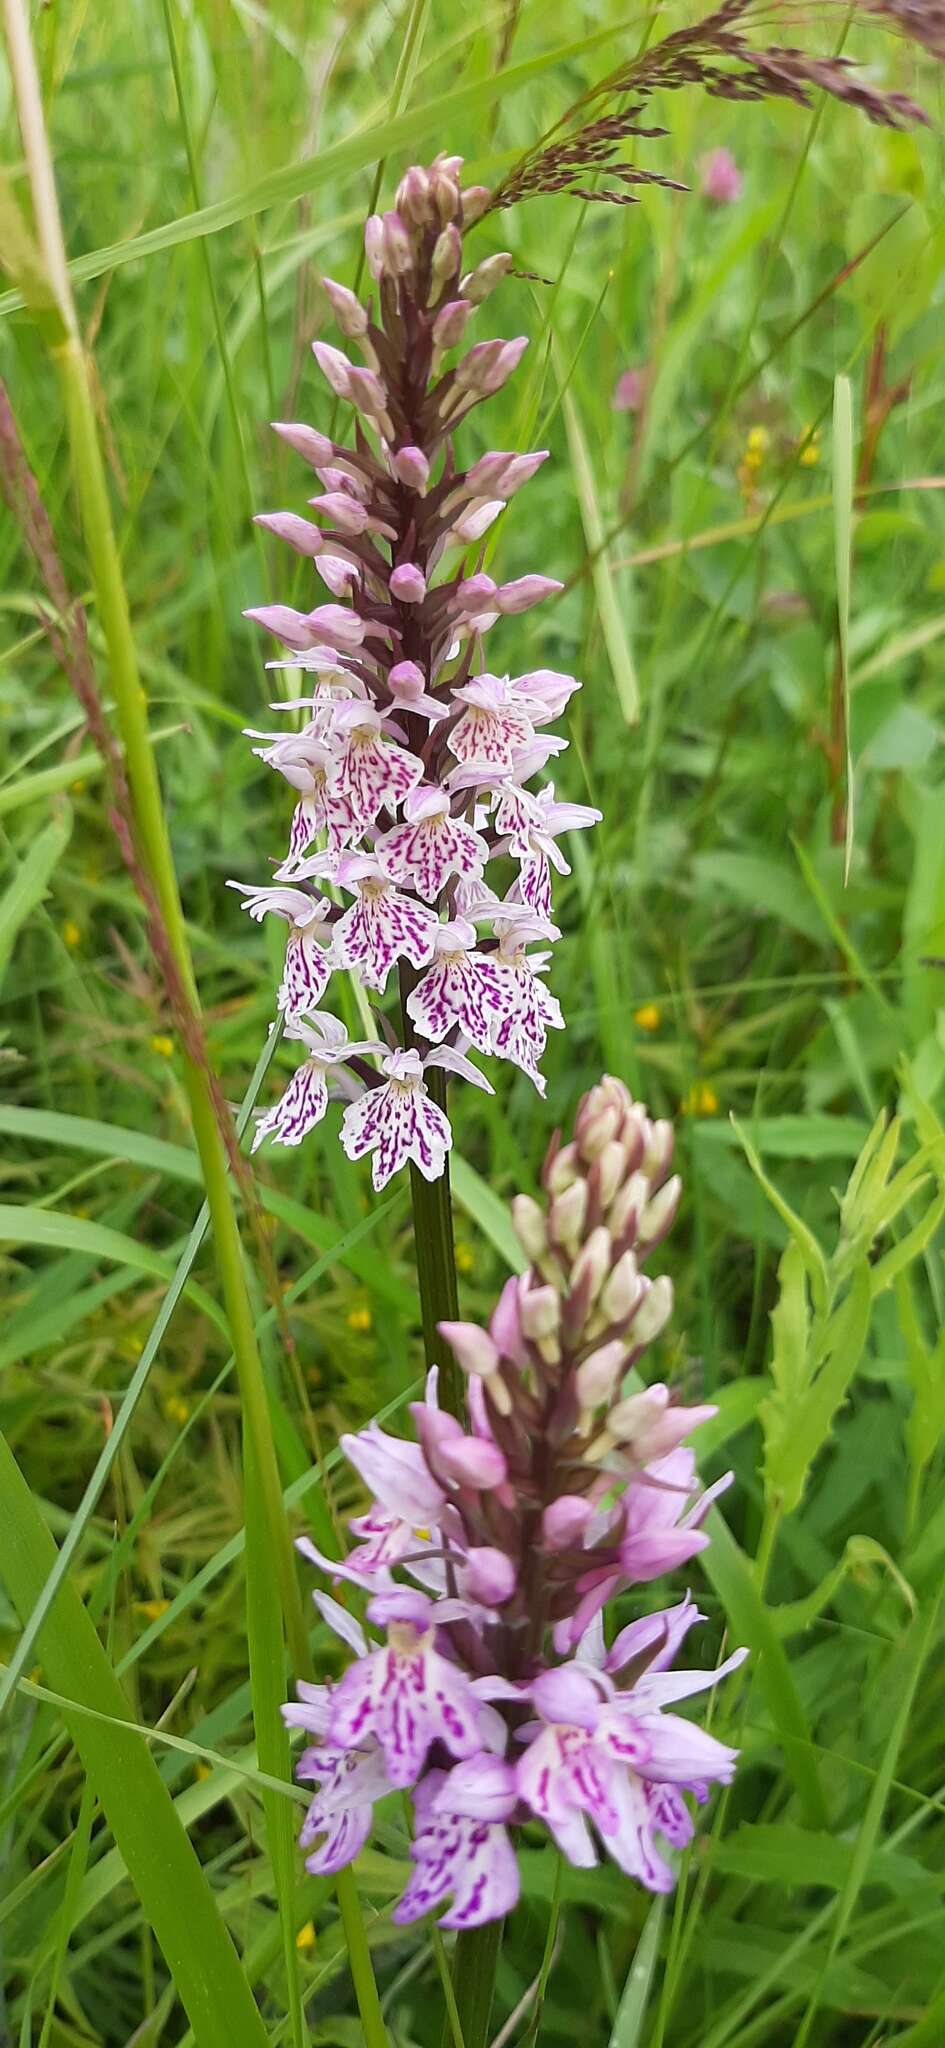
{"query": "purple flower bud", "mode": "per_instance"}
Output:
(334, 366)
(505, 1327)
(593, 1132)
(483, 1787)
(408, 677)
(344, 511)
(314, 447)
(521, 469)
(447, 256)
(564, 1522)
(628, 1206)
(567, 1695)
(410, 466)
(490, 1576)
(472, 1349)
(599, 1375)
(374, 244)
(445, 188)
(475, 200)
(524, 592)
(477, 521)
(489, 364)
(301, 535)
(451, 323)
(648, 1426)
(414, 197)
(475, 593)
(366, 391)
(720, 180)
(611, 1167)
(528, 1222)
(347, 309)
(398, 247)
(408, 583)
(477, 285)
(472, 1461)
(658, 1148)
(629, 391)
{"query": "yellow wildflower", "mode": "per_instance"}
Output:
(648, 1017)
(151, 1610)
(176, 1408)
(465, 1256)
(360, 1320)
(306, 1936)
(162, 1044)
(72, 935)
(700, 1100)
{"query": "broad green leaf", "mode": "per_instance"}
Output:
(631, 2013)
(813, 1371)
(813, 1136)
(47, 1229)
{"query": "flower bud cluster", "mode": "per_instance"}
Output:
(411, 764)
(495, 1696)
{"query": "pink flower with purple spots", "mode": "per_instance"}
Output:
(399, 1121)
(461, 1846)
(405, 1695)
(431, 845)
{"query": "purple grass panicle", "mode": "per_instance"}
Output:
(413, 766)
(490, 1686)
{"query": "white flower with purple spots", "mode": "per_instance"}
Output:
(307, 971)
(307, 762)
(461, 1846)
(431, 846)
(399, 1121)
(461, 989)
(530, 823)
(494, 723)
(528, 1008)
(347, 1780)
(382, 926)
(372, 772)
(306, 1098)
(405, 1694)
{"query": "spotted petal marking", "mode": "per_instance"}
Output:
(374, 774)
(406, 1700)
(397, 1122)
(473, 1859)
(490, 737)
(306, 974)
(297, 1111)
(427, 853)
(348, 1781)
(463, 989)
(381, 927)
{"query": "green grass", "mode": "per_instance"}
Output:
(763, 703)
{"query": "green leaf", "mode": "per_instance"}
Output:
(161, 1862)
(729, 1572)
(803, 1237)
(48, 1229)
(812, 1371)
(30, 881)
(492, 1216)
(610, 606)
(765, 885)
(631, 2013)
(842, 452)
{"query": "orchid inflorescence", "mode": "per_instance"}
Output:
(490, 1551)
(412, 764)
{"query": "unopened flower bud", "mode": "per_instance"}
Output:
(564, 1522)
(563, 1171)
(654, 1311)
(334, 366)
(611, 1167)
(444, 188)
(658, 1150)
(366, 391)
(408, 583)
(347, 309)
(566, 1217)
(628, 1206)
(398, 248)
(621, 1294)
(451, 322)
(489, 364)
(481, 515)
(472, 1461)
(447, 255)
(475, 200)
(307, 442)
(592, 1265)
(539, 1311)
(374, 245)
(410, 466)
(592, 1133)
(491, 1576)
(505, 1327)
(598, 1376)
(413, 196)
(521, 469)
(472, 1348)
(344, 511)
(528, 1222)
(659, 1213)
(524, 592)
(649, 1426)
(477, 285)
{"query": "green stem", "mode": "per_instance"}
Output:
(475, 1962)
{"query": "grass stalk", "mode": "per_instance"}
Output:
(271, 1553)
